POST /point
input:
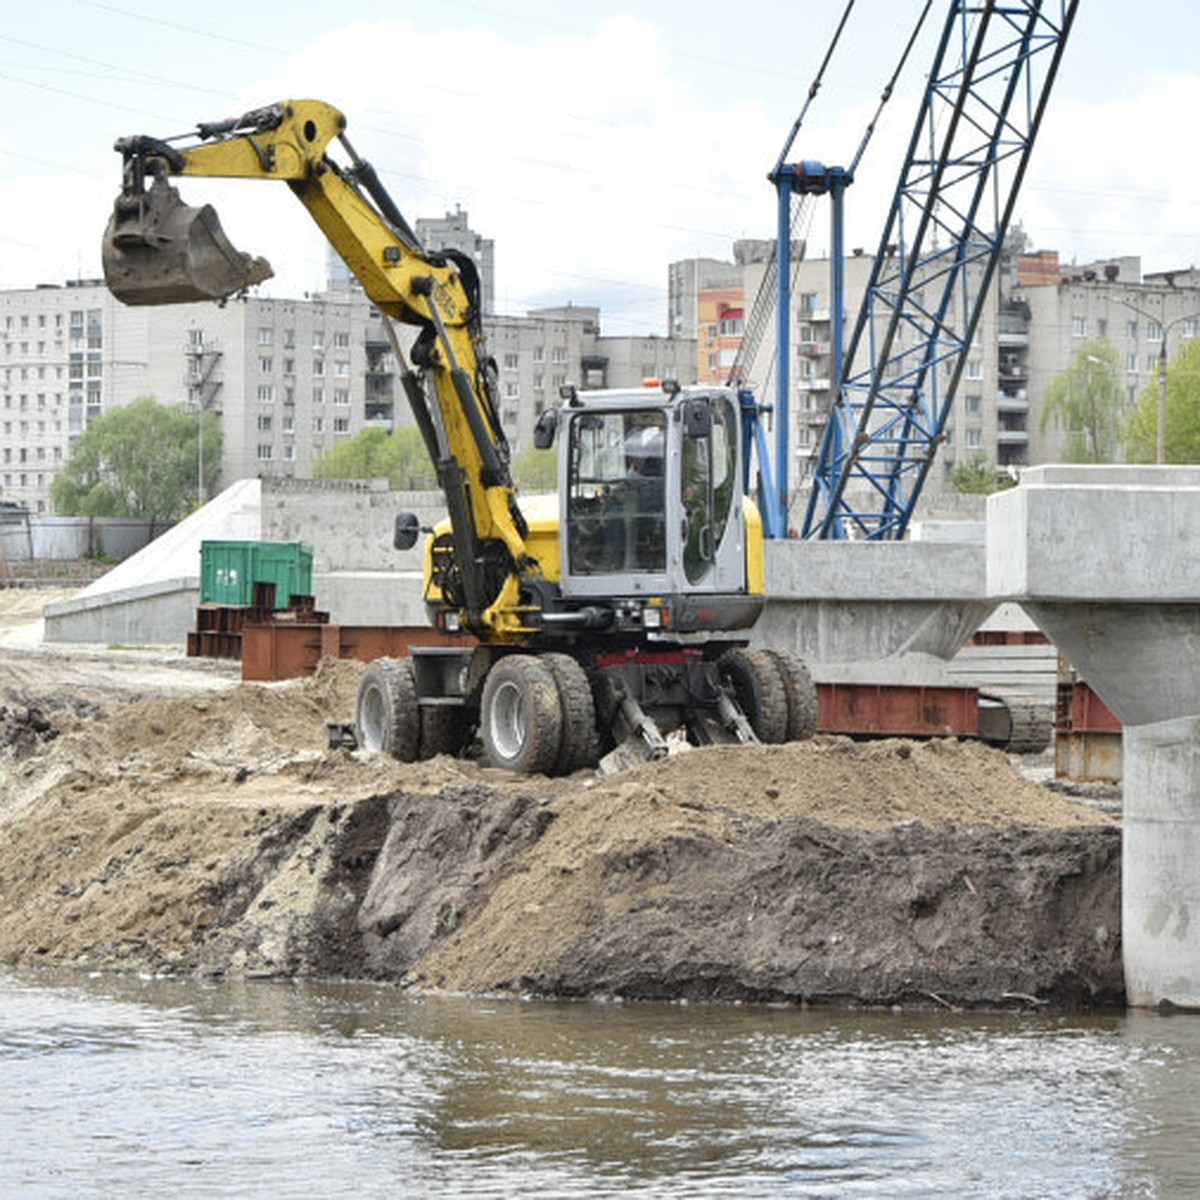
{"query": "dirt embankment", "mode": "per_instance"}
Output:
(211, 830)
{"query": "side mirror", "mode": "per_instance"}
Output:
(697, 419)
(408, 529)
(545, 429)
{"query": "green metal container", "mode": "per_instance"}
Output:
(229, 571)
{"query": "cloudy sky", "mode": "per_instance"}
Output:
(594, 144)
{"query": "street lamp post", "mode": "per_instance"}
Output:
(1160, 454)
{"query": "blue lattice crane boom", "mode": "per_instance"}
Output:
(983, 104)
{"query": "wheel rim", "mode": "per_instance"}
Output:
(510, 720)
(372, 717)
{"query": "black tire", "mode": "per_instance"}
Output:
(387, 715)
(444, 730)
(520, 720)
(758, 689)
(579, 745)
(802, 706)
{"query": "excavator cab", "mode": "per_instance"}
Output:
(159, 250)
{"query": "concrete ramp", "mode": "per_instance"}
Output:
(151, 598)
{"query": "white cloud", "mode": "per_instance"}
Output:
(594, 160)
(1119, 176)
(589, 161)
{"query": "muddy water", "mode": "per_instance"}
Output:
(127, 1087)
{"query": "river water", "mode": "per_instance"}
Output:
(128, 1087)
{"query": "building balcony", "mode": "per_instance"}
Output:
(1012, 437)
(812, 384)
(1012, 402)
(812, 349)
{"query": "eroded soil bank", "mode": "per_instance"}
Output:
(205, 827)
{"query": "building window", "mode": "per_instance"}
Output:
(539, 354)
(264, 424)
(559, 354)
(318, 424)
(1154, 331)
(341, 369)
(341, 424)
(974, 369)
(1131, 330)
(1131, 363)
(266, 335)
(318, 395)
(1079, 327)
(1189, 327)
(266, 365)
(265, 452)
(318, 366)
(974, 403)
(511, 361)
(266, 394)
(289, 453)
(341, 396)
(341, 338)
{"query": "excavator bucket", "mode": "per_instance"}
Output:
(159, 250)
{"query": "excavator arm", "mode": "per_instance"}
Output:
(158, 250)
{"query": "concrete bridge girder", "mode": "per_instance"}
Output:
(1107, 561)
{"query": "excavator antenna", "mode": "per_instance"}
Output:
(159, 250)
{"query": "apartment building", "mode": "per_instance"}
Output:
(286, 378)
(1038, 316)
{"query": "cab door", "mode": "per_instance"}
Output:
(712, 527)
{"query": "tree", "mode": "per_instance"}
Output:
(1140, 435)
(140, 460)
(399, 457)
(1083, 401)
(536, 470)
(978, 478)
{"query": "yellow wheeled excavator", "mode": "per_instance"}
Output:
(600, 621)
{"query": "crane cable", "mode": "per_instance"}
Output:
(766, 294)
(891, 86)
(813, 88)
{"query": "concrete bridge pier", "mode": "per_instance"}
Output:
(1107, 561)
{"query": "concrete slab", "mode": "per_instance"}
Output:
(853, 602)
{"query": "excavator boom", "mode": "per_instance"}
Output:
(159, 250)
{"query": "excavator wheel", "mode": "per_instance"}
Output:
(580, 744)
(758, 688)
(520, 715)
(388, 716)
(801, 695)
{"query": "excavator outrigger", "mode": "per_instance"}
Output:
(597, 622)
